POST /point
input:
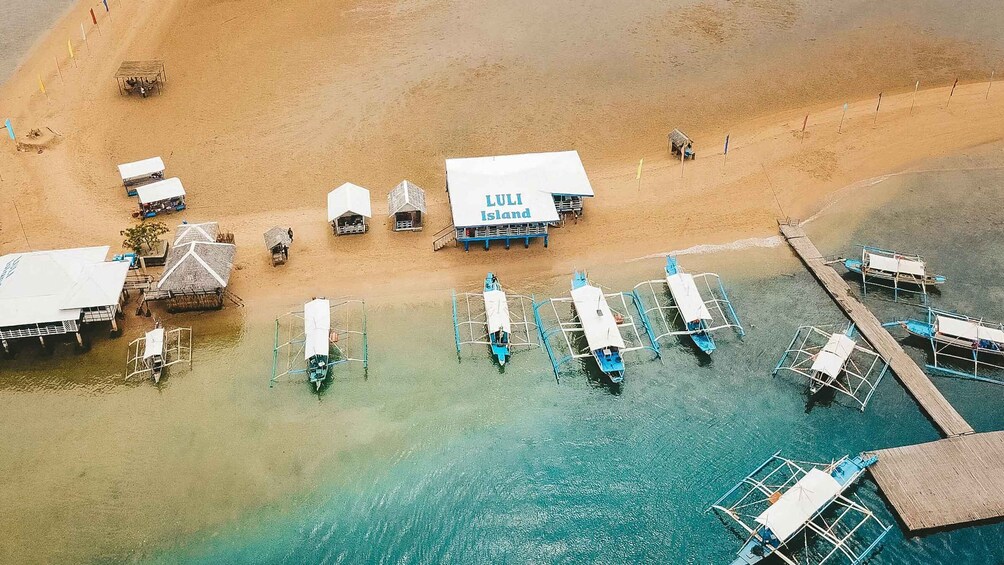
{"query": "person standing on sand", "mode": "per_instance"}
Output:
(290, 232)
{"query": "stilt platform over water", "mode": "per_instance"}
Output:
(945, 482)
(916, 382)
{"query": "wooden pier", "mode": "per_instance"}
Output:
(916, 382)
(945, 482)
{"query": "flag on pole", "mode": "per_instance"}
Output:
(10, 129)
(41, 86)
(82, 34)
(94, 19)
(879, 105)
(105, 2)
(638, 176)
(727, 144)
(69, 47)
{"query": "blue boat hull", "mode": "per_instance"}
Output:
(500, 347)
(701, 338)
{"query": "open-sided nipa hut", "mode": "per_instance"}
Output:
(51, 293)
(140, 173)
(406, 204)
(163, 196)
(198, 269)
(348, 209)
(277, 241)
(141, 77)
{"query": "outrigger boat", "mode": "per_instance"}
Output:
(497, 318)
(153, 352)
(701, 315)
(692, 308)
(311, 342)
(791, 499)
(834, 361)
(961, 338)
(157, 350)
(317, 340)
(600, 326)
(897, 268)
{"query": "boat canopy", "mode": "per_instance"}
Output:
(894, 264)
(830, 360)
(316, 327)
(160, 190)
(596, 318)
(799, 504)
(497, 310)
(687, 297)
(968, 329)
(140, 169)
(153, 345)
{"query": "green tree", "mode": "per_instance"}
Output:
(145, 234)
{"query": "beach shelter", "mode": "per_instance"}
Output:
(348, 209)
(277, 241)
(406, 204)
(141, 172)
(163, 196)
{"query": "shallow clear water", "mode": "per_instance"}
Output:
(427, 460)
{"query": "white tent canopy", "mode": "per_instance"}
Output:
(596, 318)
(799, 504)
(153, 344)
(53, 286)
(968, 329)
(497, 310)
(513, 189)
(316, 328)
(894, 265)
(831, 359)
(160, 190)
(349, 199)
(140, 169)
(688, 299)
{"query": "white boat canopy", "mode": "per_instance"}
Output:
(513, 189)
(316, 328)
(688, 299)
(160, 190)
(153, 345)
(596, 318)
(894, 265)
(349, 199)
(140, 169)
(53, 286)
(497, 311)
(799, 504)
(968, 329)
(831, 359)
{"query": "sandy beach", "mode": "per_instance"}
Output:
(260, 128)
(268, 106)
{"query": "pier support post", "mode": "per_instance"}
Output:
(80, 339)
(6, 347)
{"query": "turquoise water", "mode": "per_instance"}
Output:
(482, 466)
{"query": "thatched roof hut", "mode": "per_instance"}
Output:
(277, 236)
(206, 232)
(198, 266)
(406, 204)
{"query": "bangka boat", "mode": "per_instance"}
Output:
(600, 326)
(497, 318)
(896, 268)
(317, 340)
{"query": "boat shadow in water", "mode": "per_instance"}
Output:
(598, 379)
(824, 397)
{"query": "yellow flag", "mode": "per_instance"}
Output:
(69, 46)
(41, 86)
(638, 176)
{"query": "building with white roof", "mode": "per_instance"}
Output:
(514, 197)
(162, 196)
(348, 209)
(141, 172)
(45, 293)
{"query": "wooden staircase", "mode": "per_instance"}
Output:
(444, 237)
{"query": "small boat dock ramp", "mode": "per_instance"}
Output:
(959, 342)
(685, 311)
(157, 350)
(898, 272)
(833, 361)
(603, 319)
(485, 318)
(802, 512)
(309, 343)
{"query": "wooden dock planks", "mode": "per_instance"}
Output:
(945, 482)
(916, 382)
